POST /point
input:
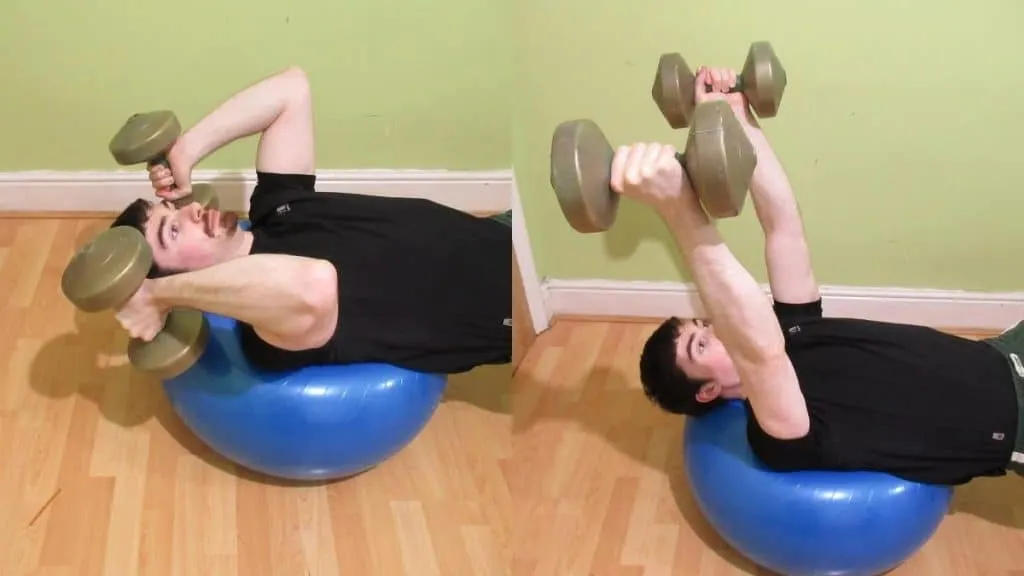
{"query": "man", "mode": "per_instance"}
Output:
(820, 393)
(320, 277)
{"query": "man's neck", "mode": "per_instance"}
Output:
(243, 244)
(734, 392)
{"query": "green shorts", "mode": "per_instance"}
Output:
(1011, 344)
(505, 218)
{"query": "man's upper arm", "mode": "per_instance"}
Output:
(790, 313)
(773, 390)
(790, 273)
(319, 284)
(773, 386)
(783, 455)
(287, 145)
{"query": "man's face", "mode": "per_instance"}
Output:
(190, 238)
(697, 349)
(701, 355)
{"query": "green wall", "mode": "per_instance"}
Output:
(900, 126)
(397, 84)
(900, 129)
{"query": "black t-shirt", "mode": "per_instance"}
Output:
(918, 403)
(420, 285)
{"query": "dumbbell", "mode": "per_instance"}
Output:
(106, 273)
(762, 81)
(145, 138)
(718, 159)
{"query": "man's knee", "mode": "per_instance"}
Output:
(1016, 461)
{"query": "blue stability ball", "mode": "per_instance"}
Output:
(319, 422)
(805, 523)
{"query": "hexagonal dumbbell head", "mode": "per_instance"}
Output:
(763, 80)
(673, 90)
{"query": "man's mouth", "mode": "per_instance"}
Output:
(216, 221)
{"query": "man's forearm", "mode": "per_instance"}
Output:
(248, 112)
(738, 306)
(275, 292)
(770, 189)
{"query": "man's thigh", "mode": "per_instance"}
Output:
(1011, 343)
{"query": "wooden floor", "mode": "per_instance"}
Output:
(598, 484)
(571, 473)
(137, 493)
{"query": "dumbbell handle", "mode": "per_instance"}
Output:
(681, 158)
(737, 88)
(713, 209)
(161, 160)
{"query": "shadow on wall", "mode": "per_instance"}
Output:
(635, 224)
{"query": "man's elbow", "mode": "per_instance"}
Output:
(791, 426)
(318, 303)
(296, 82)
(320, 278)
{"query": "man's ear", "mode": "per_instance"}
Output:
(708, 392)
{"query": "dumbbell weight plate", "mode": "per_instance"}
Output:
(763, 80)
(673, 90)
(719, 159)
(145, 137)
(108, 270)
(175, 349)
(581, 160)
(203, 194)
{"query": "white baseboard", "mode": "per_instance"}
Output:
(658, 300)
(45, 191)
(527, 268)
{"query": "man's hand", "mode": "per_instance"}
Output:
(714, 83)
(142, 316)
(175, 182)
(650, 173)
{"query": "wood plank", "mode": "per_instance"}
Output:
(523, 332)
(99, 477)
(576, 474)
(599, 486)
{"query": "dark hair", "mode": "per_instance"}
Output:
(136, 215)
(664, 382)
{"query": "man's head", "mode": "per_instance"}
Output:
(685, 369)
(187, 238)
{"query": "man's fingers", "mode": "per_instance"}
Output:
(700, 86)
(649, 162)
(716, 80)
(634, 164)
(668, 154)
(618, 168)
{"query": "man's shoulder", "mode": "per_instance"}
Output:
(800, 453)
(791, 314)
